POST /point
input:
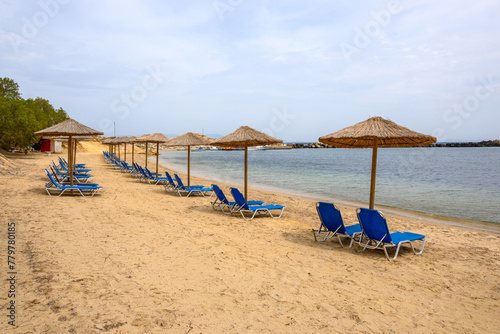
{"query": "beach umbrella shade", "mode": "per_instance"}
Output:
(374, 133)
(69, 128)
(245, 137)
(130, 140)
(189, 139)
(154, 138)
(142, 139)
(118, 141)
(108, 142)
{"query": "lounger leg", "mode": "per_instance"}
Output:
(421, 249)
(281, 213)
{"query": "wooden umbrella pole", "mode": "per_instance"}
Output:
(133, 146)
(119, 156)
(74, 154)
(125, 149)
(70, 159)
(146, 154)
(189, 166)
(157, 155)
(374, 173)
(246, 172)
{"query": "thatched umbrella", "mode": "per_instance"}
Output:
(154, 138)
(245, 137)
(373, 133)
(118, 141)
(69, 128)
(189, 139)
(109, 142)
(129, 140)
(142, 139)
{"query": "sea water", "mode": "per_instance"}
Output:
(453, 182)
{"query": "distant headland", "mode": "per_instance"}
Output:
(484, 143)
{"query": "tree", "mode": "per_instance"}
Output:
(9, 89)
(20, 119)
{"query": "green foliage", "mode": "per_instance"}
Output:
(9, 89)
(20, 119)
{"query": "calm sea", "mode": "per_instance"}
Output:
(454, 182)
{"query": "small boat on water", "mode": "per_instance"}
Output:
(278, 147)
(257, 148)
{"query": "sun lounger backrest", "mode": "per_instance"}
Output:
(179, 181)
(52, 180)
(239, 198)
(331, 217)
(170, 180)
(220, 195)
(374, 225)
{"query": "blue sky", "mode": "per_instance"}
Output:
(297, 70)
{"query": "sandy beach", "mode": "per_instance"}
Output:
(135, 259)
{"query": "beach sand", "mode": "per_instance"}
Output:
(135, 259)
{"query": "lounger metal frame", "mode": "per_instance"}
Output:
(242, 207)
(320, 232)
(61, 188)
(369, 243)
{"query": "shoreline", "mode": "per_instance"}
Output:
(477, 225)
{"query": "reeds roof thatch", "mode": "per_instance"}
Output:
(141, 139)
(388, 134)
(65, 138)
(130, 140)
(154, 138)
(189, 139)
(245, 136)
(120, 140)
(69, 127)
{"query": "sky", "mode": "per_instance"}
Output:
(296, 70)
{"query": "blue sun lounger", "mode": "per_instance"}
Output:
(79, 178)
(191, 190)
(151, 178)
(170, 184)
(55, 187)
(221, 201)
(243, 207)
(332, 225)
(376, 235)
(63, 161)
(78, 170)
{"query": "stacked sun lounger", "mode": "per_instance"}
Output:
(61, 180)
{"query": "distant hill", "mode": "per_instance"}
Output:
(484, 143)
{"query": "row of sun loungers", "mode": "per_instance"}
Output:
(60, 180)
(372, 232)
(247, 209)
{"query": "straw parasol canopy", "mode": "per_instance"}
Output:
(117, 141)
(373, 133)
(246, 137)
(130, 140)
(108, 141)
(69, 128)
(189, 139)
(142, 139)
(154, 138)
